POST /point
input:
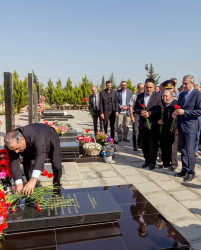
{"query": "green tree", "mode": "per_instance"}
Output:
(102, 86)
(85, 86)
(58, 96)
(35, 81)
(77, 96)
(68, 91)
(113, 81)
(130, 86)
(152, 74)
(41, 88)
(20, 92)
(49, 92)
(1, 94)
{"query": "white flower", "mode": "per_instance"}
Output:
(91, 146)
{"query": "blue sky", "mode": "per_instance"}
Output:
(61, 38)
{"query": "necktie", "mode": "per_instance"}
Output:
(95, 104)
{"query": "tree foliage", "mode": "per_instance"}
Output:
(102, 86)
(152, 74)
(20, 91)
(49, 92)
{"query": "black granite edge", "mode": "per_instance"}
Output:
(94, 232)
(61, 221)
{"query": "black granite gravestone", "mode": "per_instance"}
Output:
(86, 207)
(57, 113)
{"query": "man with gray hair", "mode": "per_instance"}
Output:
(168, 132)
(34, 142)
(188, 125)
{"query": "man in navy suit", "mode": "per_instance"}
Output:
(123, 97)
(188, 125)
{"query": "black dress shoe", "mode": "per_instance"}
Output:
(172, 168)
(151, 166)
(145, 165)
(135, 149)
(189, 177)
(180, 174)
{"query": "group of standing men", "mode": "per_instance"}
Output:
(157, 117)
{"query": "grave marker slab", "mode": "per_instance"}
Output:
(86, 207)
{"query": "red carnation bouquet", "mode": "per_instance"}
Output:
(5, 170)
(147, 119)
(173, 122)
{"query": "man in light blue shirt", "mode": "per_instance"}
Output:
(123, 97)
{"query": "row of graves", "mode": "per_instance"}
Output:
(108, 217)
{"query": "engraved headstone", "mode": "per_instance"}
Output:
(85, 208)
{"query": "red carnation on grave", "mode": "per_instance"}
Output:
(46, 122)
(3, 226)
(38, 206)
(50, 175)
(45, 173)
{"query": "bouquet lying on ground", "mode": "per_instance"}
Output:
(108, 151)
(103, 139)
(85, 137)
(61, 128)
(5, 170)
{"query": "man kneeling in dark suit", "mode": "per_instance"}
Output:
(34, 142)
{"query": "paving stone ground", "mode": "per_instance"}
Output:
(178, 202)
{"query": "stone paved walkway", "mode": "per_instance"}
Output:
(178, 202)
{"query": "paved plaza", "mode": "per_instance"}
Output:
(178, 202)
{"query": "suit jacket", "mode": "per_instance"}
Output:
(153, 108)
(103, 101)
(129, 93)
(40, 143)
(188, 123)
(91, 101)
(167, 116)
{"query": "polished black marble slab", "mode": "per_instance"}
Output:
(87, 207)
(70, 146)
(141, 227)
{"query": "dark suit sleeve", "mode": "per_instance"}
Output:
(195, 112)
(116, 102)
(15, 165)
(40, 150)
(118, 97)
(101, 102)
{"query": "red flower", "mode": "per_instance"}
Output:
(143, 105)
(50, 175)
(3, 226)
(38, 207)
(0, 123)
(3, 151)
(13, 210)
(45, 173)
(4, 162)
(177, 106)
(84, 99)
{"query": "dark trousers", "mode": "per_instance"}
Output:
(136, 130)
(149, 142)
(169, 144)
(96, 116)
(111, 117)
(188, 152)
